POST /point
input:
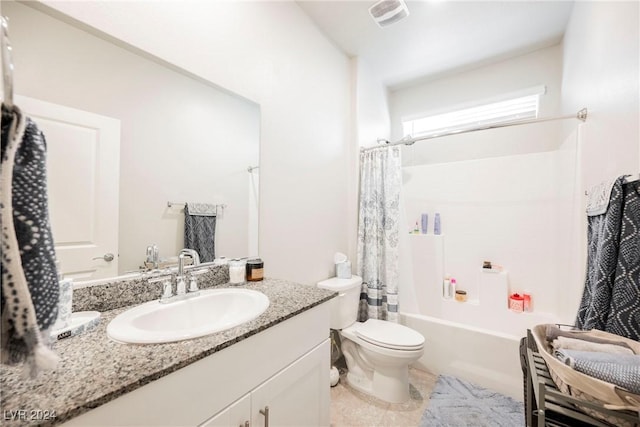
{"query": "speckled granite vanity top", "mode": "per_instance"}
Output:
(95, 369)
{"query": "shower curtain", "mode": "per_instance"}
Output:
(379, 215)
(611, 298)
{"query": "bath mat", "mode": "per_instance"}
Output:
(458, 403)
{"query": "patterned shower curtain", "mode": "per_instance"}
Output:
(379, 215)
(611, 298)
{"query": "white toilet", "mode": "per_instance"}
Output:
(378, 353)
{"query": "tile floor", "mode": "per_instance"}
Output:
(350, 408)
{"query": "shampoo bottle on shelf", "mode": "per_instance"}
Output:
(424, 222)
(446, 288)
(437, 228)
(452, 290)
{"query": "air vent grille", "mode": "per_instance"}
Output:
(386, 12)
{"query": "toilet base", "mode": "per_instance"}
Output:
(391, 386)
(377, 370)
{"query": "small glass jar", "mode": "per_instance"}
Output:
(255, 270)
(461, 296)
(236, 271)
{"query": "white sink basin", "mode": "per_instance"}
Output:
(213, 310)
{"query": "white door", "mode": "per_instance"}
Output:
(83, 170)
(297, 396)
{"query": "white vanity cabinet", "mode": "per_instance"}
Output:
(290, 398)
(236, 414)
(284, 367)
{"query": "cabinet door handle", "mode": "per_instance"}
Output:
(265, 412)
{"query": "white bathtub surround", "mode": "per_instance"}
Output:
(516, 211)
(378, 227)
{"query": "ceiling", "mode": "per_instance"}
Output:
(440, 37)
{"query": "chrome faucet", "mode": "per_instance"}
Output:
(181, 285)
(153, 255)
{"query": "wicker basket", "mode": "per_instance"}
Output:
(588, 388)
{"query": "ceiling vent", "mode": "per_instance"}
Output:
(386, 12)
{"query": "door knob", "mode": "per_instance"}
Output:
(106, 257)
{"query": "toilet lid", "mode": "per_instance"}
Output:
(390, 335)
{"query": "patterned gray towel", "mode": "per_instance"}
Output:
(611, 298)
(621, 370)
(29, 299)
(200, 230)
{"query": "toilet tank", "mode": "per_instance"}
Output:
(344, 307)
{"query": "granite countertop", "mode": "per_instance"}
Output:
(95, 369)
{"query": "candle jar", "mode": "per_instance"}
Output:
(255, 270)
(236, 271)
(461, 296)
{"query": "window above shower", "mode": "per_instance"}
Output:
(520, 105)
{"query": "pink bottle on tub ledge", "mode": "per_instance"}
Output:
(516, 303)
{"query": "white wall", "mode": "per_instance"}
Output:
(542, 67)
(372, 105)
(600, 71)
(271, 53)
(370, 112)
(181, 140)
(601, 56)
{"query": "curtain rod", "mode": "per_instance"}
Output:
(580, 115)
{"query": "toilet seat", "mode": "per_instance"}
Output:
(389, 335)
(380, 334)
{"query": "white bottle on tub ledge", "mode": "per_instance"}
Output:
(446, 288)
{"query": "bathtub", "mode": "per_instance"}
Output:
(485, 357)
(520, 211)
(477, 340)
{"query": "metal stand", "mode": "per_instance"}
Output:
(545, 405)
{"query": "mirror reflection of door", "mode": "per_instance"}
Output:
(83, 155)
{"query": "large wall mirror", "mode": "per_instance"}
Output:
(126, 135)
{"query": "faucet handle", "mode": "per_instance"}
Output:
(193, 284)
(167, 292)
(181, 286)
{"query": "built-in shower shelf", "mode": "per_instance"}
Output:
(468, 302)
